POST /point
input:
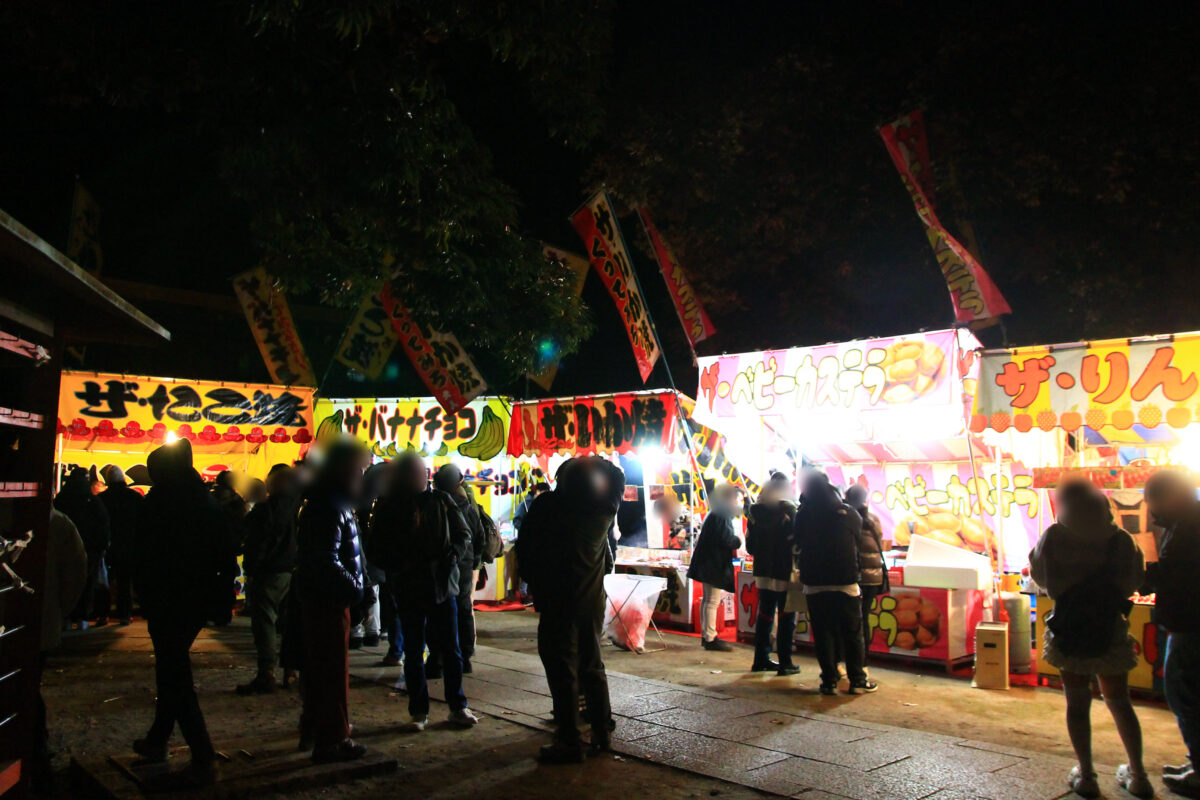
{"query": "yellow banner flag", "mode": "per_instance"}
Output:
(271, 322)
(369, 340)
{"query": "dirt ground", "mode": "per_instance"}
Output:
(100, 695)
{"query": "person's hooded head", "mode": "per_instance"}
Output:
(114, 476)
(817, 491)
(171, 464)
(1083, 508)
(858, 497)
(1170, 496)
(449, 479)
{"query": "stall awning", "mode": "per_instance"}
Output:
(1113, 386)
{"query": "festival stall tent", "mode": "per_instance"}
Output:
(473, 438)
(1112, 412)
(47, 303)
(113, 419)
(890, 414)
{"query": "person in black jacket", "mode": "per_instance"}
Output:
(769, 540)
(123, 504)
(91, 519)
(422, 540)
(873, 577)
(1171, 499)
(328, 580)
(184, 568)
(826, 533)
(564, 556)
(712, 561)
(267, 562)
(449, 479)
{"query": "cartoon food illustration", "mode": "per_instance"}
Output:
(330, 427)
(918, 621)
(942, 525)
(912, 368)
(489, 439)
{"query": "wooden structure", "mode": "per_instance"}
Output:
(46, 302)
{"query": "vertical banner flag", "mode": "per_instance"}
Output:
(976, 298)
(579, 270)
(692, 315)
(271, 322)
(369, 340)
(596, 223)
(445, 368)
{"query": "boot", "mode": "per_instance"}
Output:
(263, 683)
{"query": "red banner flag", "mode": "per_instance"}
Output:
(692, 316)
(444, 367)
(976, 298)
(597, 225)
(616, 423)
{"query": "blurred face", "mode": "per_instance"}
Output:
(1169, 498)
(412, 475)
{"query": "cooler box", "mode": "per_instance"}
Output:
(935, 565)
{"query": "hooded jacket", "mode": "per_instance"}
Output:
(827, 535)
(421, 539)
(769, 539)
(712, 561)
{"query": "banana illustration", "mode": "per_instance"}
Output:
(377, 450)
(330, 427)
(489, 439)
(391, 450)
(443, 450)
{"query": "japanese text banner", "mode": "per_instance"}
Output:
(605, 424)
(1117, 383)
(692, 315)
(445, 368)
(596, 223)
(975, 297)
(271, 322)
(133, 409)
(369, 340)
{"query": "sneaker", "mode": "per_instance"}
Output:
(356, 642)
(1187, 785)
(417, 724)
(562, 753)
(1177, 769)
(371, 640)
(153, 753)
(866, 687)
(765, 666)
(390, 660)
(1083, 785)
(345, 750)
(828, 689)
(718, 645)
(463, 718)
(263, 683)
(1137, 784)
(788, 669)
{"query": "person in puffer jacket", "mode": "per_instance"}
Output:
(769, 541)
(328, 580)
(873, 578)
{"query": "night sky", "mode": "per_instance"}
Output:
(1076, 142)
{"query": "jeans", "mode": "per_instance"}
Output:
(1181, 681)
(569, 646)
(177, 700)
(442, 620)
(836, 620)
(268, 595)
(710, 606)
(466, 624)
(770, 605)
(326, 672)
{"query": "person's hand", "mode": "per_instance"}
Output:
(482, 580)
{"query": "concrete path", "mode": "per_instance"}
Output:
(806, 755)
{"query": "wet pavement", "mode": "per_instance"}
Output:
(793, 754)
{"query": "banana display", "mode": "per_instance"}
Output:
(489, 440)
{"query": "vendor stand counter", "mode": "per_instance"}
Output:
(679, 604)
(911, 622)
(1151, 645)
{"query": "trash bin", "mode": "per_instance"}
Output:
(631, 601)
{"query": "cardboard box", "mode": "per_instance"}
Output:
(991, 655)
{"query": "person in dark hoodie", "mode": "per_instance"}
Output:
(327, 581)
(269, 556)
(422, 540)
(712, 561)
(1171, 499)
(91, 520)
(873, 580)
(769, 540)
(826, 534)
(564, 555)
(449, 479)
(184, 569)
(123, 504)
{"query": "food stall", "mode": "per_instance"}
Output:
(118, 419)
(473, 438)
(1112, 412)
(889, 414)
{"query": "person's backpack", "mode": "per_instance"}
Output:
(1083, 617)
(493, 543)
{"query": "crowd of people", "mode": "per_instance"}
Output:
(336, 555)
